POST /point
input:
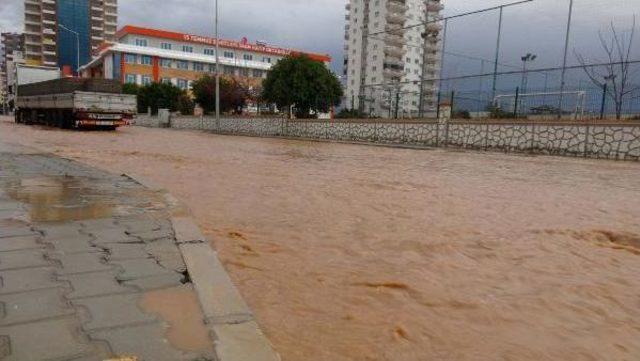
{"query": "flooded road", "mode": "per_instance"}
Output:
(349, 252)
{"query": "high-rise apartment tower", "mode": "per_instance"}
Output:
(66, 32)
(392, 56)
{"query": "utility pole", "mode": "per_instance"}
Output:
(495, 64)
(217, 68)
(564, 63)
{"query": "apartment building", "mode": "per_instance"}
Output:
(392, 56)
(143, 56)
(64, 33)
(11, 48)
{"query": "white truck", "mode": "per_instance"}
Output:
(43, 97)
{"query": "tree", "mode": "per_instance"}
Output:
(157, 96)
(233, 94)
(618, 70)
(304, 83)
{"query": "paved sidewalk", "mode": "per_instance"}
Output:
(82, 252)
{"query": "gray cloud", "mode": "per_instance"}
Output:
(318, 25)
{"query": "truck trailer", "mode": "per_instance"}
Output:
(71, 102)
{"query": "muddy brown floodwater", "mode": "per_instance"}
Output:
(350, 252)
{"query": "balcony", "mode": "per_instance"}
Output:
(433, 28)
(395, 29)
(31, 11)
(397, 6)
(396, 19)
(434, 6)
(394, 40)
(395, 51)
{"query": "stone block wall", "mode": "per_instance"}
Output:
(608, 141)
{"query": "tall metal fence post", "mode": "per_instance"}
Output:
(604, 101)
(517, 101)
(438, 105)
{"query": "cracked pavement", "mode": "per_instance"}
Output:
(79, 251)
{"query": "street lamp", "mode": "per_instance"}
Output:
(525, 59)
(77, 45)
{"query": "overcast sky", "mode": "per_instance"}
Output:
(318, 25)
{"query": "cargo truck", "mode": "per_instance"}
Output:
(70, 102)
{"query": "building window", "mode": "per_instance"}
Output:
(165, 46)
(183, 84)
(257, 73)
(244, 72)
(211, 52)
(130, 58)
(166, 80)
(228, 54)
(248, 57)
(146, 80)
(165, 63)
(212, 68)
(266, 60)
(229, 70)
(187, 49)
(141, 42)
(182, 64)
(145, 60)
(130, 79)
(198, 67)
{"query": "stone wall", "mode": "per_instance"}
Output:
(609, 141)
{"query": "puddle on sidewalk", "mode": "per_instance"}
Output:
(59, 198)
(180, 308)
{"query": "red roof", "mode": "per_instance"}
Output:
(197, 39)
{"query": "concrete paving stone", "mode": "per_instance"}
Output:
(140, 268)
(16, 231)
(10, 205)
(156, 282)
(28, 279)
(147, 343)
(60, 230)
(56, 339)
(112, 311)
(81, 263)
(29, 258)
(112, 235)
(18, 243)
(12, 214)
(167, 253)
(155, 235)
(33, 306)
(140, 225)
(95, 284)
(96, 224)
(72, 244)
(124, 251)
(243, 341)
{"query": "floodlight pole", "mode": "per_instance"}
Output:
(564, 64)
(217, 69)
